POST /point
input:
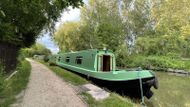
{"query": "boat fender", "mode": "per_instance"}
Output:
(149, 94)
(150, 82)
(155, 84)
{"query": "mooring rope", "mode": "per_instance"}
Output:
(141, 89)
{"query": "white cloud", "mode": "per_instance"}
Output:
(85, 1)
(69, 15)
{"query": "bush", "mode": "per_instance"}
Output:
(14, 85)
(121, 55)
(37, 49)
(162, 45)
(162, 62)
(46, 58)
(165, 62)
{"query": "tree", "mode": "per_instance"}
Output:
(100, 26)
(136, 15)
(171, 27)
(22, 21)
(156, 20)
(102, 23)
(67, 36)
(36, 49)
(171, 16)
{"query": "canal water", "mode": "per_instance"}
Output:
(174, 91)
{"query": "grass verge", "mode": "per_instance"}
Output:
(113, 100)
(10, 88)
(66, 75)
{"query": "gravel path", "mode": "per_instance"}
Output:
(45, 89)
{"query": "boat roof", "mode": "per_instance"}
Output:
(88, 50)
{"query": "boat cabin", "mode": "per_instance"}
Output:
(93, 59)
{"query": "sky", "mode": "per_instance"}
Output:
(70, 15)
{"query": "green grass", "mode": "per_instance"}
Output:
(113, 101)
(173, 91)
(67, 75)
(14, 85)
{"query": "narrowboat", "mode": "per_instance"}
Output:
(100, 66)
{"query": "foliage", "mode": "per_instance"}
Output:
(36, 49)
(15, 85)
(136, 15)
(67, 36)
(121, 55)
(156, 62)
(21, 21)
(171, 16)
(161, 45)
(104, 24)
(96, 28)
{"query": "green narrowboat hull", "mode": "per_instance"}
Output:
(121, 75)
(122, 82)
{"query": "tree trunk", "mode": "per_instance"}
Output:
(8, 56)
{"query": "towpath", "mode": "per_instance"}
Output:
(45, 89)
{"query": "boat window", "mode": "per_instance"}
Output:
(67, 59)
(78, 60)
